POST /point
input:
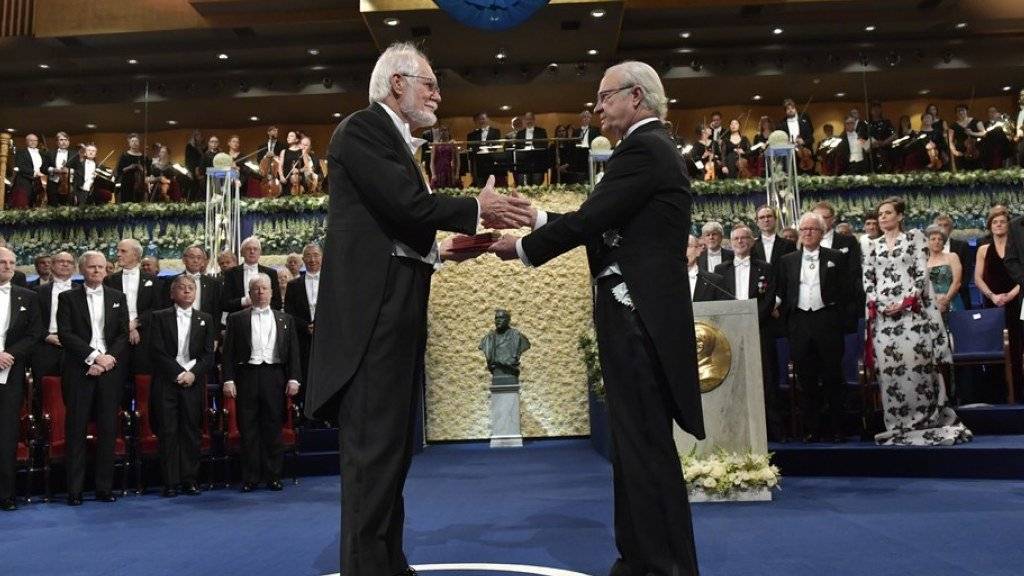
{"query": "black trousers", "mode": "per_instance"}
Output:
(180, 411)
(80, 393)
(11, 397)
(774, 412)
(653, 527)
(816, 343)
(376, 419)
(260, 417)
(46, 361)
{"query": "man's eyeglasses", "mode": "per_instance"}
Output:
(602, 97)
(809, 230)
(430, 83)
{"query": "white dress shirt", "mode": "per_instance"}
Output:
(130, 286)
(97, 320)
(768, 241)
(741, 267)
(856, 147)
(714, 259)
(810, 282)
(37, 160)
(198, 277)
(59, 286)
(184, 319)
(585, 136)
(264, 337)
(827, 239)
(249, 271)
(89, 166)
(312, 284)
(529, 138)
(5, 320)
(793, 125)
(692, 272)
(61, 158)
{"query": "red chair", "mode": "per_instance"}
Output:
(145, 443)
(27, 441)
(233, 439)
(54, 437)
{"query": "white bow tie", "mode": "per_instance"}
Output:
(252, 267)
(63, 284)
(6, 288)
(744, 262)
(130, 271)
(261, 311)
(810, 257)
(185, 313)
(313, 276)
(93, 291)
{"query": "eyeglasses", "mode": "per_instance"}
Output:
(602, 97)
(809, 230)
(430, 83)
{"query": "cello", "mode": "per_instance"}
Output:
(270, 187)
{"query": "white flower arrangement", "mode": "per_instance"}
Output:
(722, 474)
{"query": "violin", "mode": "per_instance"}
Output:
(269, 185)
(710, 173)
(296, 186)
(804, 158)
(934, 160)
(309, 175)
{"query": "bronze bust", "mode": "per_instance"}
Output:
(503, 347)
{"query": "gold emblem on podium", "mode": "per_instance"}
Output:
(714, 355)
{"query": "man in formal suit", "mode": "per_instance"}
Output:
(46, 356)
(226, 261)
(814, 287)
(370, 335)
(30, 165)
(235, 296)
(20, 329)
(484, 166)
(144, 294)
(182, 355)
(749, 278)
(19, 278)
(93, 327)
(963, 251)
(208, 288)
(579, 170)
(84, 177)
(261, 366)
(853, 149)
(43, 264)
(715, 125)
(532, 137)
(850, 248)
(713, 255)
(634, 226)
(770, 247)
(272, 145)
(300, 303)
(1013, 259)
(58, 159)
(704, 286)
(798, 126)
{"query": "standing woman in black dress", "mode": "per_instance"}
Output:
(938, 124)
(131, 172)
(765, 127)
(734, 147)
(290, 161)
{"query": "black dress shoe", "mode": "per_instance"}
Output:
(169, 493)
(74, 499)
(190, 489)
(248, 486)
(275, 485)
(105, 497)
(8, 505)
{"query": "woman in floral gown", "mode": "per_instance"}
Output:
(906, 339)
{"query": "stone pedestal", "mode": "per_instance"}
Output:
(734, 418)
(505, 431)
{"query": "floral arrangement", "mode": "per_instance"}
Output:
(587, 345)
(723, 473)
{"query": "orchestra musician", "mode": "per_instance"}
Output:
(705, 151)
(312, 172)
(580, 153)
(248, 179)
(130, 174)
(860, 126)
(290, 163)
(83, 176)
(273, 146)
(765, 127)
(966, 131)
(735, 147)
(1018, 136)
(58, 172)
(938, 124)
(995, 147)
(827, 152)
(530, 137)
(194, 150)
(800, 130)
(484, 166)
(717, 132)
(881, 135)
(212, 149)
(853, 149)
(162, 180)
(29, 173)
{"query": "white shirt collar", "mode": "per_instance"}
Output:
(811, 253)
(183, 311)
(639, 124)
(251, 267)
(261, 310)
(57, 282)
(692, 270)
(737, 261)
(714, 252)
(403, 129)
(767, 237)
(312, 275)
(130, 271)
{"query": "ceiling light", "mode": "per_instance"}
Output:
(777, 31)
(313, 51)
(684, 35)
(222, 56)
(923, 91)
(684, 50)
(598, 13)
(133, 61)
(172, 122)
(317, 68)
(840, 94)
(337, 114)
(506, 107)
(254, 118)
(673, 100)
(391, 21)
(961, 25)
(589, 104)
(10, 130)
(44, 66)
(90, 126)
(501, 55)
(1007, 88)
(553, 65)
(816, 81)
(592, 51)
(757, 97)
(869, 28)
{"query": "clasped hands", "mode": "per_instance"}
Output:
(498, 212)
(102, 363)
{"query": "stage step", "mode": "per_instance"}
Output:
(987, 419)
(986, 457)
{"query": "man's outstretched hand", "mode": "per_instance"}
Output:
(505, 247)
(499, 211)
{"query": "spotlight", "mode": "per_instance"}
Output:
(840, 94)
(133, 61)
(11, 130)
(598, 13)
(391, 22)
(924, 91)
(589, 104)
(756, 97)
(313, 52)
(1007, 88)
(961, 25)
(172, 122)
(684, 35)
(44, 66)
(337, 114)
(684, 50)
(673, 100)
(869, 28)
(505, 107)
(254, 118)
(222, 56)
(500, 55)
(777, 31)
(592, 52)
(90, 126)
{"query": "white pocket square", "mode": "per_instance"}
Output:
(149, 283)
(22, 309)
(117, 304)
(844, 249)
(202, 322)
(830, 264)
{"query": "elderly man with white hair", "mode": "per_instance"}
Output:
(635, 226)
(713, 255)
(235, 295)
(144, 294)
(379, 254)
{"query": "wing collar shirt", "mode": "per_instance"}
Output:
(741, 267)
(198, 277)
(264, 337)
(793, 125)
(312, 284)
(130, 287)
(810, 283)
(692, 271)
(768, 241)
(827, 239)
(58, 287)
(94, 298)
(37, 160)
(183, 317)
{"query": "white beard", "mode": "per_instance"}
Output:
(419, 118)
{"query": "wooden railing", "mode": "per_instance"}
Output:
(16, 18)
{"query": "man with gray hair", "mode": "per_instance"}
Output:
(380, 252)
(635, 226)
(235, 296)
(714, 254)
(144, 294)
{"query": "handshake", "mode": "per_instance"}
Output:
(498, 212)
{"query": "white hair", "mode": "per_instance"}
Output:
(89, 254)
(135, 245)
(815, 217)
(399, 58)
(712, 227)
(252, 240)
(261, 277)
(635, 73)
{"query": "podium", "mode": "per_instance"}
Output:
(729, 362)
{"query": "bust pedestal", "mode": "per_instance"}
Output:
(505, 431)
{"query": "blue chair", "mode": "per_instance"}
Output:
(980, 338)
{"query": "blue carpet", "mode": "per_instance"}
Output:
(549, 505)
